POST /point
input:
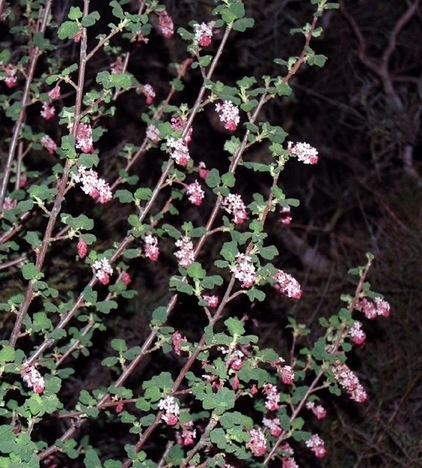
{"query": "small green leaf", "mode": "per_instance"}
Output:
(68, 30)
(234, 326)
(119, 345)
(196, 271)
(91, 19)
(124, 196)
(30, 272)
(242, 24)
(75, 13)
(213, 178)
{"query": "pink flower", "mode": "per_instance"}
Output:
(185, 255)
(203, 34)
(126, 279)
(178, 122)
(289, 463)
(356, 333)
(47, 111)
(187, 437)
(374, 309)
(212, 301)
(195, 192)
(153, 133)
(273, 425)
(165, 23)
(257, 442)
(319, 411)
(78, 36)
(171, 410)
(287, 375)
(33, 378)
(177, 339)
(55, 92)
(103, 270)
(92, 185)
(151, 247)
(228, 114)
(48, 144)
(179, 151)
(287, 285)
(203, 171)
(236, 360)
(234, 205)
(273, 397)
(316, 444)
(149, 93)
(244, 270)
(8, 204)
(84, 138)
(117, 66)
(10, 78)
(304, 152)
(285, 215)
(348, 380)
(82, 248)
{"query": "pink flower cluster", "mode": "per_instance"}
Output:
(228, 114)
(171, 410)
(234, 205)
(185, 255)
(178, 122)
(151, 247)
(356, 333)
(153, 133)
(92, 185)
(149, 93)
(245, 270)
(287, 375)
(379, 307)
(285, 215)
(82, 248)
(84, 138)
(319, 411)
(103, 270)
(349, 381)
(273, 397)
(316, 444)
(203, 34)
(33, 378)
(187, 436)
(257, 442)
(48, 111)
(179, 150)
(165, 23)
(212, 301)
(10, 78)
(49, 144)
(177, 339)
(55, 92)
(304, 152)
(117, 66)
(288, 461)
(287, 285)
(273, 425)
(195, 192)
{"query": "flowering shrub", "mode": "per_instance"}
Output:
(219, 398)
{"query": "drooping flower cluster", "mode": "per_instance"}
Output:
(153, 133)
(33, 378)
(9, 204)
(185, 255)
(177, 339)
(151, 247)
(228, 114)
(165, 23)
(273, 425)
(316, 444)
(48, 111)
(257, 442)
(117, 66)
(273, 397)
(195, 192)
(287, 285)
(103, 270)
(203, 34)
(234, 205)
(203, 171)
(171, 410)
(288, 461)
(319, 411)
(356, 333)
(212, 301)
(82, 248)
(379, 307)
(55, 92)
(179, 151)
(178, 122)
(285, 214)
(84, 138)
(245, 270)
(126, 278)
(287, 375)
(304, 152)
(349, 381)
(10, 78)
(149, 93)
(235, 359)
(92, 185)
(49, 144)
(187, 435)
